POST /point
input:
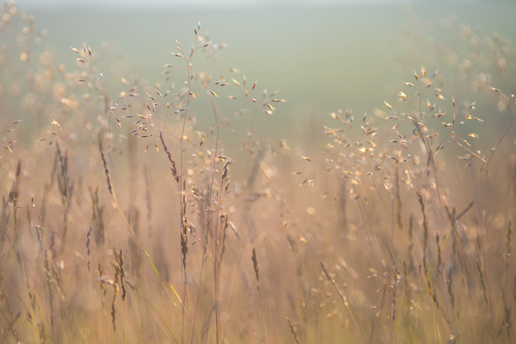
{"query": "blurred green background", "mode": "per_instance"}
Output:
(320, 58)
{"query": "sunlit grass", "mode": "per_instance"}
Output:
(137, 210)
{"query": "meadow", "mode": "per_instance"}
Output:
(175, 208)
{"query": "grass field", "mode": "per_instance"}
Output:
(153, 197)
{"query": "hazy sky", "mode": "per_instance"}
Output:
(190, 3)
